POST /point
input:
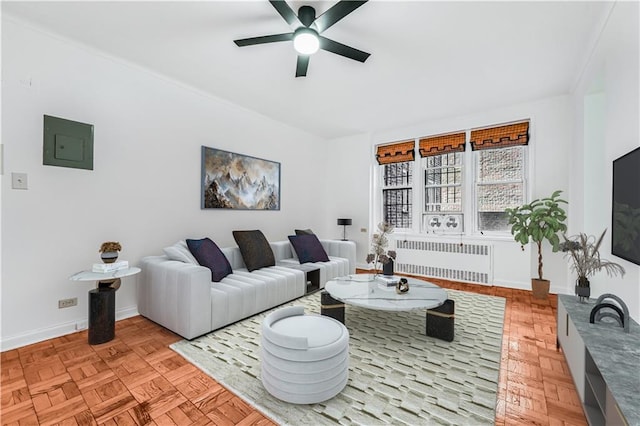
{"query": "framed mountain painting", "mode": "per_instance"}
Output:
(236, 181)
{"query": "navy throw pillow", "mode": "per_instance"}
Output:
(308, 248)
(208, 254)
(255, 249)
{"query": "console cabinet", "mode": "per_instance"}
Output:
(573, 347)
(604, 363)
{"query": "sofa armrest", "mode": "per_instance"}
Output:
(345, 249)
(175, 295)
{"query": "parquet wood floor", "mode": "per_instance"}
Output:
(137, 380)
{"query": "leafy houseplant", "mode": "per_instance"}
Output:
(379, 244)
(109, 251)
(584, 252)
(542, 219)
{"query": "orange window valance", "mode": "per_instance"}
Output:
(500, 136)
(436, 145)
(396, 153)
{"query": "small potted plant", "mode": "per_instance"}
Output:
(542, 219)
(109, 251)
(379, 254)
(584, 252)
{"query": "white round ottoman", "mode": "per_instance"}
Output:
(305, 358)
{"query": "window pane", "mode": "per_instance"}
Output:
(443, 176)
(493, 200)
(398, 174)
(397, 207)
(445, 199)
(499, 165)
(443, 183)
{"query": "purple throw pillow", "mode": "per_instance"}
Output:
(308, 248)
(208, 254)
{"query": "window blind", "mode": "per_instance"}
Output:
(500, 136)
(436, 145)
(396, 153)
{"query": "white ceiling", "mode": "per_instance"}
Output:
(429, 60)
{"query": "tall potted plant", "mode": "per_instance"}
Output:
(542, 219)
(584, 252)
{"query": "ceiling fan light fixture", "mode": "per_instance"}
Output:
(306, 41)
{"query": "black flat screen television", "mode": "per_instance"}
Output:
(625, 224)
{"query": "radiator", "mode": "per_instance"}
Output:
(447, 260)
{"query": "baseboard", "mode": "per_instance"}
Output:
(39, 335)
(518, 285)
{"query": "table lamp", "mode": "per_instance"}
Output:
(344, 223)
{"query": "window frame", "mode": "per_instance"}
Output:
(410, 186)
(475, 184)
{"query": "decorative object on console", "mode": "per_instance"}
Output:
(255, 249)
(308, 248)
(603, 310)
(584, 252)
(109, 251)
(344, 223)
(208, 254)
(537, 221)
(240, 182)
(379, 243)
(402, 286)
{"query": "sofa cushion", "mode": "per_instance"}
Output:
(255, 249)
(208, 254)
(308, 248)
(304, 232)
(180, 252)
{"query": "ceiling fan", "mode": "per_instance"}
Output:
(306, 32)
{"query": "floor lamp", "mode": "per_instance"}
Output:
(344, 223)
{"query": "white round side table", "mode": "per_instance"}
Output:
(102, 302)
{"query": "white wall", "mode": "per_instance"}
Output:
(614, 71)
(144, 189)
(348, 189)
(551, 125)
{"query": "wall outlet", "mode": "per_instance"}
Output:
(19, 181)
(363, 229)
(67, 303)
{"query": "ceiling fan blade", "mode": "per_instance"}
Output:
(342, 49)
(264, 39)
(303, 64)
(336, 13)
(286, 12)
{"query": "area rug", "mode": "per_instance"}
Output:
(397, 374)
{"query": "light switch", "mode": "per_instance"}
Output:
(19, 180)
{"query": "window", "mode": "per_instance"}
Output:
(499, 184)
(443, 183)
(396, 165)
(499, 156)
(496, 179)
(397, 194)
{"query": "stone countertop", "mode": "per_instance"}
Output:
(615, 353)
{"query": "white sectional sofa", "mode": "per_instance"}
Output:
(180, 296)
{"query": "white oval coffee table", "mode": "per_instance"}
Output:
(364, 291)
